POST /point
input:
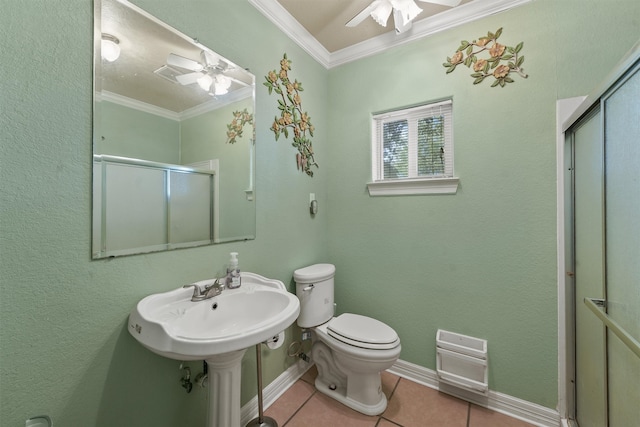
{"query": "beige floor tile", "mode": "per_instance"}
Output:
(483, 417)
(389, 382)
(414, 405)
(292, 399)
(410, 405)
(322, 411)
(310, 375)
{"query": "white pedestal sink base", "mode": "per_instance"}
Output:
(224, 389)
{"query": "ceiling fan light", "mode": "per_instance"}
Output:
(222, 85)
(205, 82)
(109, 47)
(382, 12)
(408, 10)
(221, 90)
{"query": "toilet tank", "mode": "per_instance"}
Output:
(314, 289)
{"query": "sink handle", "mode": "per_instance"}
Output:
(197, 292)
(214, 289)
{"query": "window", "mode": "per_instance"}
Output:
(412, 151)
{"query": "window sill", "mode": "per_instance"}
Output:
(407, 187)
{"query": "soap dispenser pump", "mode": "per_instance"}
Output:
(233, 272)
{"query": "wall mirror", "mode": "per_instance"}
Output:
(173, 138)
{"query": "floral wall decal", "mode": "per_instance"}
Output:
(292, 117)
(235, 128)
(502, 61)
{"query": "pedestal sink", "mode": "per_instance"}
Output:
(218, 330)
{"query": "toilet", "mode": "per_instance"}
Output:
(350, 350)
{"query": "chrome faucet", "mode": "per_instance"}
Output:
(210, 291)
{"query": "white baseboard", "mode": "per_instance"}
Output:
(517, 408)
(274, 390)
(499, 402)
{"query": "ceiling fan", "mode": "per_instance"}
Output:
(404, 11)
(209, 74)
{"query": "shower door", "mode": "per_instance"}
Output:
(590, 354)
(605, 144)
(622, 247)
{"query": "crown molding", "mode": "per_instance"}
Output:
(293, 29)
(214, 104)
(452, 18)
(136, 105)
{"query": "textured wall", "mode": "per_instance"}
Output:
(64, 348)
(481, 262)
(127, 132)
(237, 217)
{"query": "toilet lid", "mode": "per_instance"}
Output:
(362, 331)
(314, 273)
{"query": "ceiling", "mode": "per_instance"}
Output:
(326, 19)
(141, 73)
(318, 26)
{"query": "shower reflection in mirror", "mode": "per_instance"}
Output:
(164, 174)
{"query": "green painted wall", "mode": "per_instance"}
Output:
(128, 132)
(64, 348)
(481, 262)
(203, 138)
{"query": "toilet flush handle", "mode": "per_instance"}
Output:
(309, 288)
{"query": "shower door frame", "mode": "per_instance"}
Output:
(568, 112)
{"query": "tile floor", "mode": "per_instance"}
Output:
(410, 405)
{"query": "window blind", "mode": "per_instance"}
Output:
(414, 143)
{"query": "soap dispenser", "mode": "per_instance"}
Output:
(233, 272)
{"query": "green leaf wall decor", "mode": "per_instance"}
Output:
(236, 127)
(293, 119)
(501, 62)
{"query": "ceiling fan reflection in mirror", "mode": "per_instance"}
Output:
(404, 11)
(208, 74)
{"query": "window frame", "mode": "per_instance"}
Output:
(446, 183)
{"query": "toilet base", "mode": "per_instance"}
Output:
(339, 393)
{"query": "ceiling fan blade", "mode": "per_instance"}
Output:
(209, 59)
(364, 14)
(182, 62)
(450, 3)
(187, 79)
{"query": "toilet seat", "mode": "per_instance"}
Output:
(364, 332)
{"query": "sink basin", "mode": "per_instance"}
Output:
(218, 330)
(171, 325)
